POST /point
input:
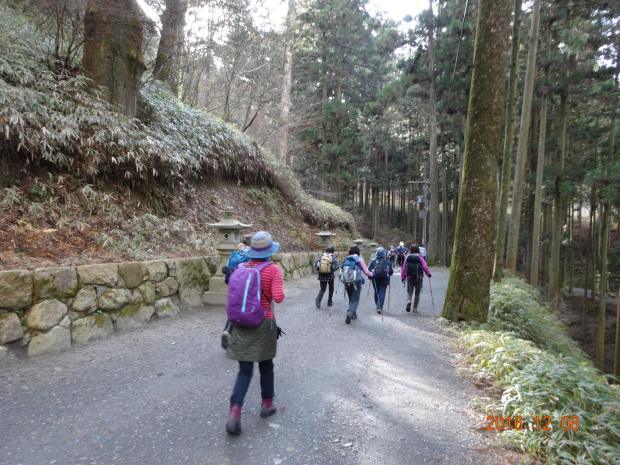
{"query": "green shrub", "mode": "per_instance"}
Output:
(525, 349)
(518, 307)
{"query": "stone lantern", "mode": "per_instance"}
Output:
(325, 237)
(359, 241)
(229, 236)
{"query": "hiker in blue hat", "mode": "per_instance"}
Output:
(256, 340)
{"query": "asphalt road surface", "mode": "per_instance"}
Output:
(377, 391)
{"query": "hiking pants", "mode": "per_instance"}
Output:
(245, 376)
(414, 285)
(353, 292)
(380, 290)
(323, 287)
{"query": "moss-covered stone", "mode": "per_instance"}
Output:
(147, 292)
(213, 263)
(55, 283)
(10, 328)
(132, 316)
(192, 272)
(113, 299)
(101, 275)
(132, 274)
(167, 287)
(15, 289)
(54, 341)
(45, 314)
(157, 270)
(166, 308)
(92, 327)
(85, 300)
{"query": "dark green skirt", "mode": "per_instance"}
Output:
(253, 345)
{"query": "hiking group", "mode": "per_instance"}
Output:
(251, 332)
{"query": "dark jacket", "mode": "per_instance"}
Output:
(381, 281)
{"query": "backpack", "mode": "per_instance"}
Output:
(243, 306)
(382, 269)
(350, 270)
(414, 266)
(234, 260)
(325, 263)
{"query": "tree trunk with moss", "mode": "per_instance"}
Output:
(555, 281)
(522, 145)
(472, 261)
(287, 82)
(617, 353)
(113, 38)
(433, 212)
(602, 294)
(540, 168)
(508, 142)
(171, 43)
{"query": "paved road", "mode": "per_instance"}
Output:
(375, 392)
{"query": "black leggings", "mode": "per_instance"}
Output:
(324, 287)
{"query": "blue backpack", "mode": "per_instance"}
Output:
(351, 272)
(237, 257)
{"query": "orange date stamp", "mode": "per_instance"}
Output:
(536, 423)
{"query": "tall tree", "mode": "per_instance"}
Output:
(522, 145)
(171, 43)
(508, 141)
(540, 169)
(433, 234)
(472, 261)
(287, 81)
(113, 39)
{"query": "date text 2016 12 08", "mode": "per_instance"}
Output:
(537, 423)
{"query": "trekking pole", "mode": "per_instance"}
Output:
(430, 287)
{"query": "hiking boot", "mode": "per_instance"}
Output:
(408, 307)
(317, 302)
(379, 311)
(415, 310)
(329, 303)
(225, 339)
(347, 320)
(267, 408)
(354, 316)
(233, 424)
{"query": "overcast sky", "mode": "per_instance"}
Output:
(393, 9)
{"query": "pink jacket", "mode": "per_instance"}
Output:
(364, 267)
(403, 269)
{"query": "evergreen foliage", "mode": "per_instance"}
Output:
(56, 121)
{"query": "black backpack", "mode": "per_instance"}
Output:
(382, 269)
(414, 267)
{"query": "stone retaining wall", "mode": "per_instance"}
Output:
(51, 309)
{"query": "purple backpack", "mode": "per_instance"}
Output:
(244, 292)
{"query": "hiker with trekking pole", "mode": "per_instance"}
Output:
(326, 265)
(382, 272)
(352, 273)
(413, 270)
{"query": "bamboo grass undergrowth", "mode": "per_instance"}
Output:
(541, 371)
(59, 123)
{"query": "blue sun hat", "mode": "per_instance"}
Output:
(262, 245)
